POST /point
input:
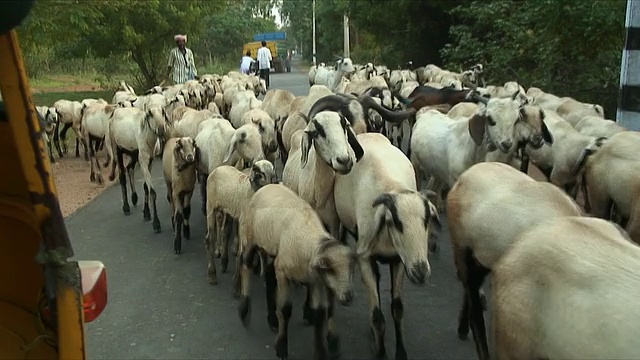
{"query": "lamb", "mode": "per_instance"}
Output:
(444, 148)
(284, 226)
(228, 192)
(598, 127)
(330, 78)
(49, 122)
(378, 203)
(555, 281)
(221, 144)
(179, 167)
(134, 132)
(480, 235)
(611, 177)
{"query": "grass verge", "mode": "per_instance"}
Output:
(48, 98)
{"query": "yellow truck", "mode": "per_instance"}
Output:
(277, 63)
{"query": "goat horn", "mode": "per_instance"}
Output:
(395, 117)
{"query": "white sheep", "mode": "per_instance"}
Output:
(267, 127)
(312, 73)
(229, 190)
(284, 226)
(444, 148)
(134, 132)
(379, 204)
(488, 207)
(567, 289)
(220, 144)
(332, 78)
(179, 168)
(569, 106)
(277, 104)
(611, 178)
(49, 123)
(598, 127)
(242, 102)
(69, 116)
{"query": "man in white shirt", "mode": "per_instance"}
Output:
(245, 64)
(264, 62)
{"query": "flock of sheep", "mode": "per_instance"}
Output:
(565, 275)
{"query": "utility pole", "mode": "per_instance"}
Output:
(314, 32)
(347, 52)
(629, 99)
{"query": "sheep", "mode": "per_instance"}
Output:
(312, 73)
(570, 106)
(243, 102)
(462, 110)
(179, 168)
(332, 79)
(284, 226)
(444, 148)
(188, 124)
(134, 132)
(95, 121)
(611, 177)
(276, 103)
(598, 127)
(562, 162)
(546, 101)
(220, 144)
(480, 235)
(213, 107)
(228, 191)
(267, 128)
(378, 203)
(49, 123)
(567, 289)
(69, 116)
(126, 93)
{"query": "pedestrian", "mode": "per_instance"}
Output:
(181, 62)
(264, 62)
(245, 63)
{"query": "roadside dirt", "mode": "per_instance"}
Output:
(71, 176)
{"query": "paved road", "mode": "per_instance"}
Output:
(162, 307)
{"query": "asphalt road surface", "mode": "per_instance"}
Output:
(162, 307)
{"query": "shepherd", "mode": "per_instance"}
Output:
(181, 62)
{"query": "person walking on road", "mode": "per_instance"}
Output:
(245, 63)
(264, 62)
(181, 62)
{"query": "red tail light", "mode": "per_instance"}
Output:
(94, 288)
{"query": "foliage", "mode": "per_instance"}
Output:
(569, 48)
(133, 37)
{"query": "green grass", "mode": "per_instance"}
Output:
(47, 99)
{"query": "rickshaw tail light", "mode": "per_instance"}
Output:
(94, 288)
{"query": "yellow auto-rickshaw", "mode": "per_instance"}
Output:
(44, 297)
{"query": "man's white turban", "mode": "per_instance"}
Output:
(180, 37)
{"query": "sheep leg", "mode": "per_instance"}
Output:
(307, 314)
(123, 182)
(203, 191)
(146, 212)
(171, 204)
(371, 280)
(319, 309)
(224, 249)
(50, 146)
(186, 210)
(80, 141)
(131, 167)
(599, 200)
(209, 243)
(271, 285)
(221, 223)
(178, 215)
(397, 307)
(283, 312)
(96, 174)
(633, 225)
(474, 276)
(245, 302)
(63, 137)
(56, 140)
(333, 340)
(146, 160)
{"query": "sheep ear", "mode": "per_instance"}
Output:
(305, 147)
(355, 145)
(546, 134)
(232, 147)
(476, 128)
(255, 121)
(320, 263)
(515, 95)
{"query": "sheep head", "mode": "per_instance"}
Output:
(335, 264)
(408, 217)
(333, 140)
(186, 151)
(262, 173)
(531, 126)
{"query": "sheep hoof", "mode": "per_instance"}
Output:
(224, 264)
(272, 320)
(186, 232)
(333, 344)
(112, 177)
(463, 335)
(213, 281)
(126, 210)
(134, 199)
(307, 315)
(86, 158)
(92, 177)
(401, 354)
(483, 302)
(100, 179)
(244, 309)
(146, 214)
(156, 227)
